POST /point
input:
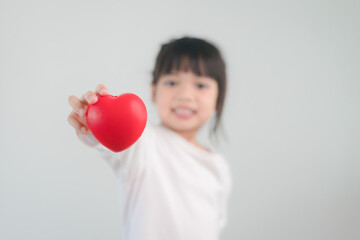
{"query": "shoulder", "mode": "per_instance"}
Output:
(225, 170)
(149, 139)
(151, 132)
(158, 134)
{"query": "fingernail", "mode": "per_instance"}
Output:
(81, 111)
(103, 91)
(92, 99)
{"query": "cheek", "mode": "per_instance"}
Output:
(213, 98)
(160, 97)
(208, 103)
(212, 95)
(162, 100)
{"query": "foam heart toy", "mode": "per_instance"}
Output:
(117, 122)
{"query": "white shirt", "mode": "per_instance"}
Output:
(172, 190)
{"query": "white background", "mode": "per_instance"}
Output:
(292, 114)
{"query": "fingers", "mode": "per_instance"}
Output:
(77, 118)
(89, 98)
(101, 89)
(77, 105)
(75, 123)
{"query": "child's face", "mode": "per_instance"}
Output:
(185, 101)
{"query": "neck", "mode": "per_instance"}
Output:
(190, 136)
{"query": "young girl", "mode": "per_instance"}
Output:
(172, 186)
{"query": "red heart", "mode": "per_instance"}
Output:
(117, 122)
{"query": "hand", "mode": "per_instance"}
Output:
(77, 117)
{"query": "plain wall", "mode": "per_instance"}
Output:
(291, 116)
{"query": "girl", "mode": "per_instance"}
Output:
(172, 186)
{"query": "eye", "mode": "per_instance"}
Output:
(170, 83)
(201, 85)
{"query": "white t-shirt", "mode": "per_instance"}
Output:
(171, 189)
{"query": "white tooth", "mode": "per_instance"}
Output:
(183, 111)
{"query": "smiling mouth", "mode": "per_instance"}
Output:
(183, 113)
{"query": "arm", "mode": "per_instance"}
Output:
(113, 159)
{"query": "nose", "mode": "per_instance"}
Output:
(186, 92)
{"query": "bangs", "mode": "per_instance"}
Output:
(190, 55)
(185, 63)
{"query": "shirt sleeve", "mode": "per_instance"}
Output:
(115, 160)
(224, 199)
(120, 162)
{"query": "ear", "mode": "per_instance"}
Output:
(153, 92)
